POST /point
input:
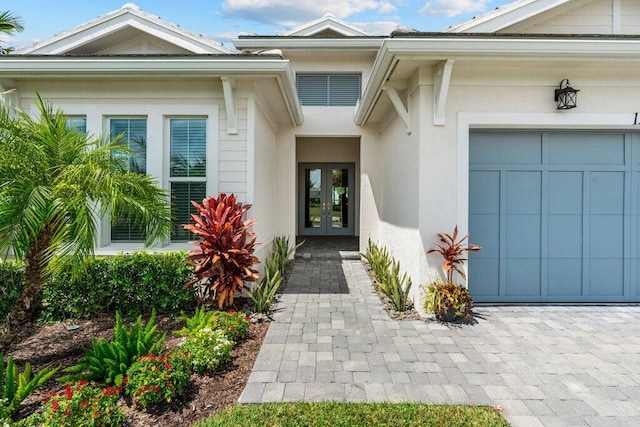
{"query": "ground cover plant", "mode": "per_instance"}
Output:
(329, 414)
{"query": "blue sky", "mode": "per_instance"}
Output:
(224, 19)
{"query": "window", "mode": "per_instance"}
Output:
(77, 122)
(329, 89)
(188, 170)
(134, 134)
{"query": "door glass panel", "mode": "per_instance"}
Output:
(312, 196)
(339, 198)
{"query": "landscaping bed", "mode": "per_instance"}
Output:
(204, 396)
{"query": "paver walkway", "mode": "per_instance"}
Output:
(545, 365)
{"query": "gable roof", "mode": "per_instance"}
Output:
(126, 21)
(328, 25)
(511, 14)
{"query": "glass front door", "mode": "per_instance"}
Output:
(326, 205)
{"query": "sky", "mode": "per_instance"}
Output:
(222, 20)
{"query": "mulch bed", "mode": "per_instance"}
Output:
(205, 395)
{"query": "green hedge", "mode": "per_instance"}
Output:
(11, 284)
(131, 284)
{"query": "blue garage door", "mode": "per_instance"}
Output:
(556, 214)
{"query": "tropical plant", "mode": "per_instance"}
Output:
(83, 405)
(200, 320)
(15, 386)
(56, 183)
(282, 251)
(453, 252)
(154, 379)
(448, 301)
(9, 23)
(234, 325)
(224, 260)
(108, 361)
(11, 284)
(264, 292)
(379, 260)
(207, 350)
(395, 287)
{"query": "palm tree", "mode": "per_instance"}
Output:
(55, 185)
(9, 23)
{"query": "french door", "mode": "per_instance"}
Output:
(326, 199)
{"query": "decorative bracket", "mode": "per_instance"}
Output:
(441, 80)
(228, 87)
(401, 109)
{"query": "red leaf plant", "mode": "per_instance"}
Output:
(225, 258)
(453, 252)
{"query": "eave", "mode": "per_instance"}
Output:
(444, 47)
(39, 66)
(257, 43)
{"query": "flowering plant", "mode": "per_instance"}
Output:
(235, 325)
(208, 349)
(153, 379)
(83, 405)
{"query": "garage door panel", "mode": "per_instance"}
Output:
(606, 236)
(565, 236)
(484, 191)
(523, 192)
(487, 231)
(565, 192)
(523, 236)
(565, 276)
(594, 149)
(487, 272)
(606, 193)
(524, 148)
(523, 276)
(606, 277)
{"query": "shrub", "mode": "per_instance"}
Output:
(193, 324)
(11, 285)
(386, 276)
(395, 287)
(233, 324)
(207, 350)
(154, 379)
(131, 284)
(448, 301)
(15, 386)
(453, 251)
(108, 361)
(265, 291)
(83, 405)
(224, 260)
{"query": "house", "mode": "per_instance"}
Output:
(328, 130)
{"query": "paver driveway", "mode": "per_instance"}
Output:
(544, 365)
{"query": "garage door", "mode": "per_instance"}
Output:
(556, 214)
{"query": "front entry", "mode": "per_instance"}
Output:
(326, 199)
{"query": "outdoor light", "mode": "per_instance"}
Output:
(566, 96)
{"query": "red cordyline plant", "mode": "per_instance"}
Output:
(224, 260)
(453, 252)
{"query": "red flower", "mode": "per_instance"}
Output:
(55, 405)
(68, 393)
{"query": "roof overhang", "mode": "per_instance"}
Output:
(112, 67)
(257, 43)
(442, 47)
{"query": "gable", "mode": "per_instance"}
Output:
(327, 26)
(126, 30)
(594, 17)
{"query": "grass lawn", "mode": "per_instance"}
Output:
(355, 414)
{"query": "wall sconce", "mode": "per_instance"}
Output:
(566, 96)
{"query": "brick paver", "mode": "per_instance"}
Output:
(544, 365)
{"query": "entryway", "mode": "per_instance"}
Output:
(326, 199)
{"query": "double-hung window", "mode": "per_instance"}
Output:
(187, 171)
(133, 133)
(329, 89)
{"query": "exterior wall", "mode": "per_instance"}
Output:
(265, 172)
(630, 19)
(157, 100)
(143, 44)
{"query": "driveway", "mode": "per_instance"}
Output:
(543, 365)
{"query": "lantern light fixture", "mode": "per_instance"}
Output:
(566, 96)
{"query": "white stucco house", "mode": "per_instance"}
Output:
(328, 130)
